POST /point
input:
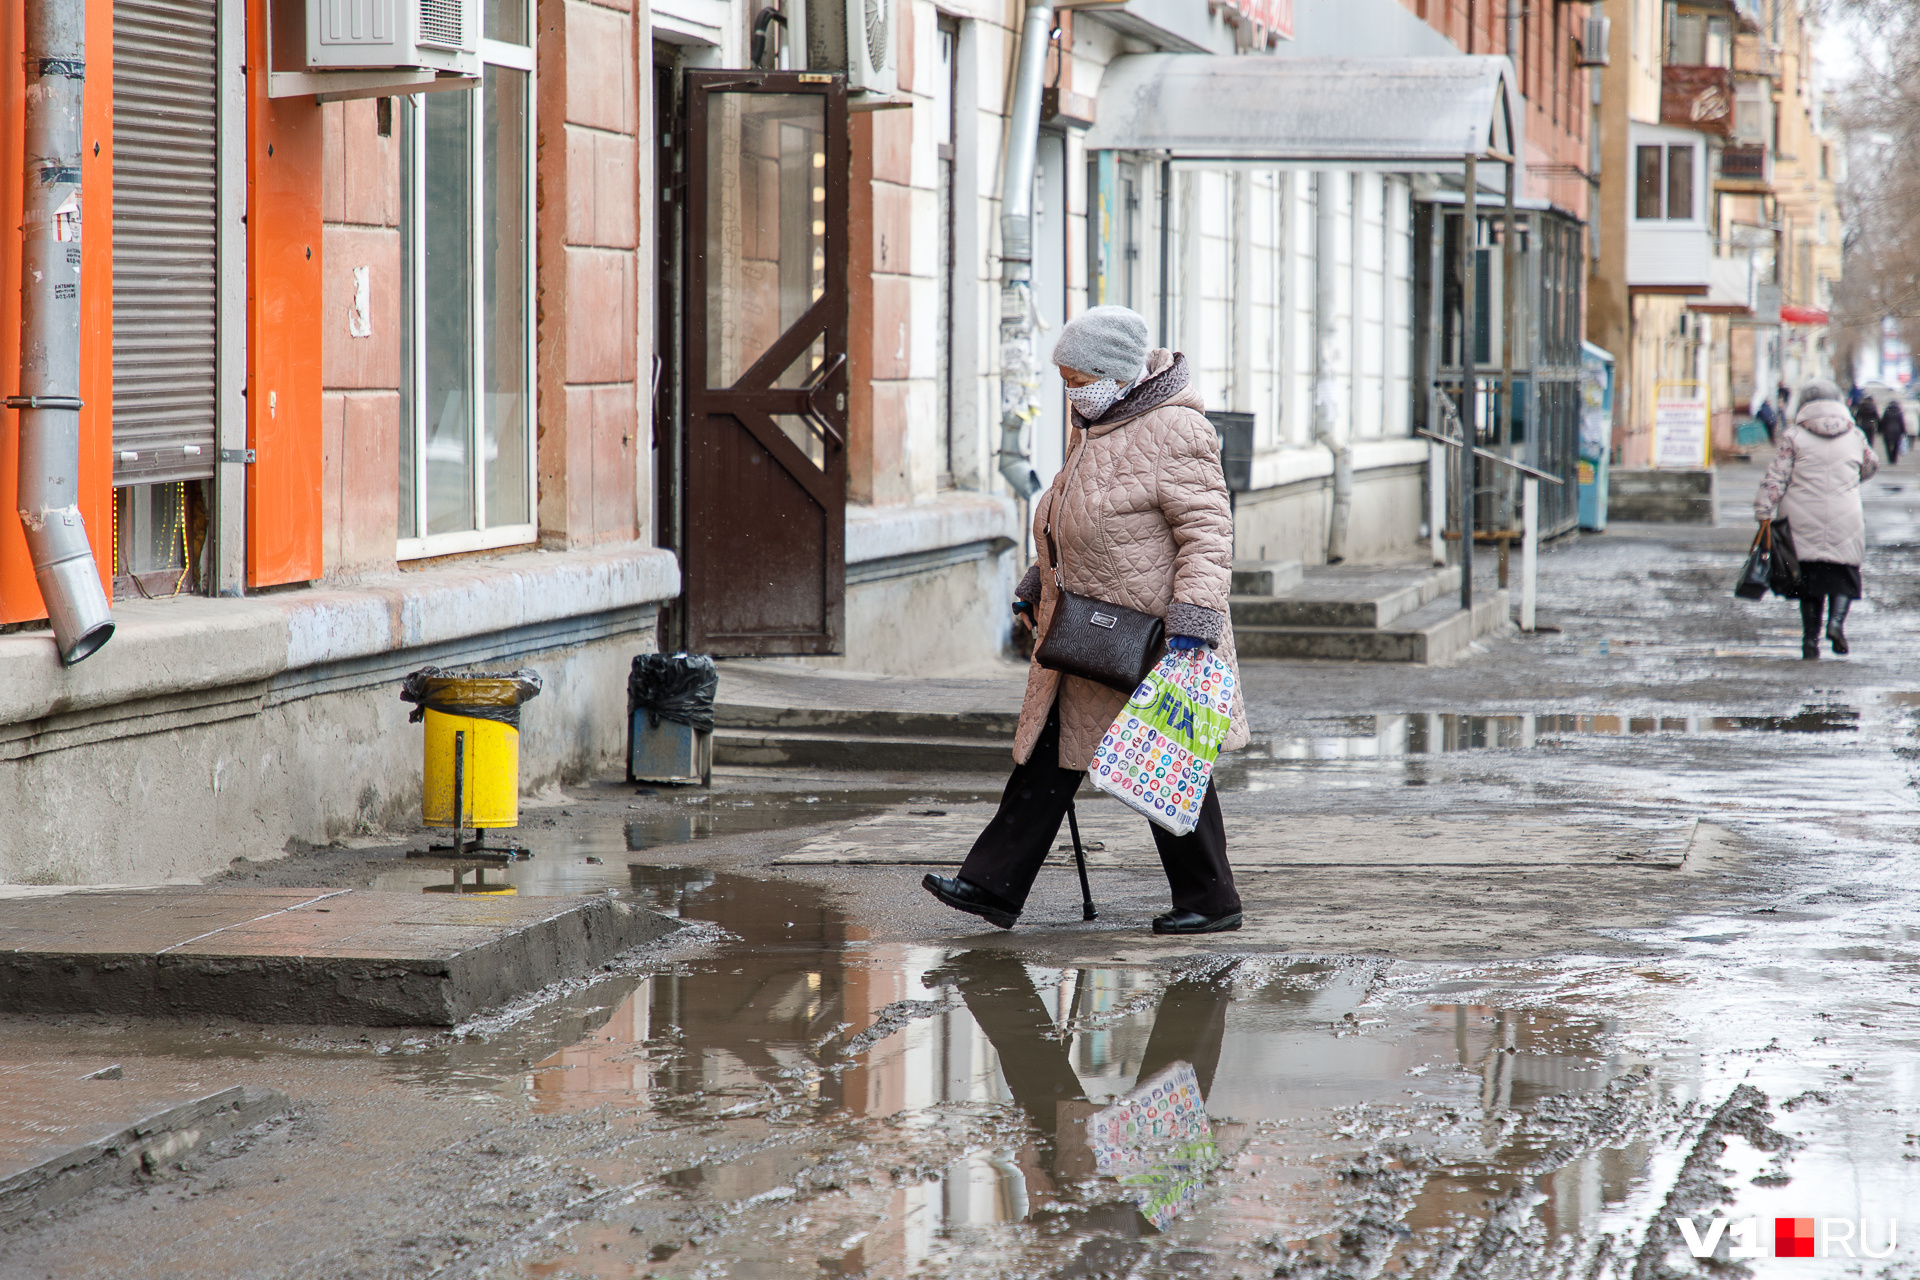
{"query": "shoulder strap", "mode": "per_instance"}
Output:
(1053, 550)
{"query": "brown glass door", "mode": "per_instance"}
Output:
(766, 363)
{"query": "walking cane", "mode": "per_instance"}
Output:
(1080, 860)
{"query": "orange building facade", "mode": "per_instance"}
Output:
(1546, 53)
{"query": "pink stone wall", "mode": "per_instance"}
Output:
(360, 376)
(588, 279)
(589, 273)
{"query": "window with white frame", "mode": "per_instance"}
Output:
(1243, 296)
(1666, 182)
(466, 433)
(1266, 277)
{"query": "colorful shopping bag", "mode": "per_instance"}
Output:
(1158, 754)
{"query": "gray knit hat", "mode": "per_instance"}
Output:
(1109, 342)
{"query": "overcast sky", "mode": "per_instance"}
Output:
(1838, 51)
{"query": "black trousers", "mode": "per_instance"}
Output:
(1007, 857)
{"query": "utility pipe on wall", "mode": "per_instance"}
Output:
(1469, 261)
(1513, 37)
(1019, 373)
(1326, 358)
(49, 399)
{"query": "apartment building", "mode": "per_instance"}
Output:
(1717, 163)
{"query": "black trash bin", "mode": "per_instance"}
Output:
(670, 718)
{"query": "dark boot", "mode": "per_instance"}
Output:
(1810, 609)
(1837, 607)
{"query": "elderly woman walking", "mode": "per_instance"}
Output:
(1139, 517)
(1814, 483)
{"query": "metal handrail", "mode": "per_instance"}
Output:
(1446, 407)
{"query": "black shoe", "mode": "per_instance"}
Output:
(1194, 922)
(1837, 607)
(962, 896)
(1810, 649)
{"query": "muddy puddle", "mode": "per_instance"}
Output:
(1435, 733)
(866, 1108)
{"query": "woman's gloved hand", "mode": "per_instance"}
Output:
(1181, 644)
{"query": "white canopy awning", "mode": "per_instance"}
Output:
(1409, 114)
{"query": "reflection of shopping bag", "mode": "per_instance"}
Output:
(1158, 1142)
(1158, 754)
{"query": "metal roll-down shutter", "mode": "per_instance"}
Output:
(164, 235)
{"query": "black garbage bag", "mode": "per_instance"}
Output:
(481, 695)
(673, 686)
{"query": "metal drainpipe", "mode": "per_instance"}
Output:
(1019, 376)
(1326, 391)
(49, 399)
(1513, 39)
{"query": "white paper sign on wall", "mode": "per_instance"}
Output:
(1680, 428)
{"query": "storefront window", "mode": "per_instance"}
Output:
(466, 464)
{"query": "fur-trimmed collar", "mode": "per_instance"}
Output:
(1161, 385)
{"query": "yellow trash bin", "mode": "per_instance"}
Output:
(471, 770)
(471, 773)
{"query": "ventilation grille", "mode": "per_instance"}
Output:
(877, 33)
(443, 23)
(1594, 37)
(356, 22)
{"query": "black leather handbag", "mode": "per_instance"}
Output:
(1097, 640)
(1757, 574)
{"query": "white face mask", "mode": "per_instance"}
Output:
(1095, 398)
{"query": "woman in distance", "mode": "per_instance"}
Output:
(1814, 483)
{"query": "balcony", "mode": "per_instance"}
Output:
(1744, 12)
(1697, 98)
(1669, 258)
(1748, 165)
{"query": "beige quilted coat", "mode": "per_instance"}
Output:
(1815, 483)
(1141, 517)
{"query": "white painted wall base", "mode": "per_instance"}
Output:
(210, 730)
(1289, 521)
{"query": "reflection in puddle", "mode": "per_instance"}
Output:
(1292, 1078)
(1432, 733)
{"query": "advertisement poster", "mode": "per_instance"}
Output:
(1680, 426)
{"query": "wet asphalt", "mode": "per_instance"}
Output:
(1616, 929)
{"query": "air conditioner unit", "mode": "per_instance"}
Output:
(1595, 35)
(857, 37)
(438, 35)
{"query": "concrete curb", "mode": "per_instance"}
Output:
(144, 1146)
(421, 971)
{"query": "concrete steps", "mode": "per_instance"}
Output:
(860, 752)
(772, 715)
(789, 717)
(1369, 614)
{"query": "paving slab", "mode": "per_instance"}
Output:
(302, 955)
(67, 1127)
